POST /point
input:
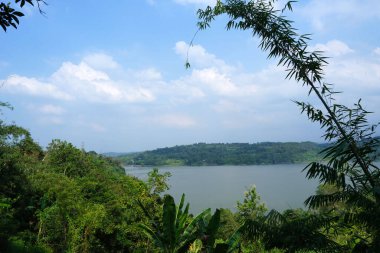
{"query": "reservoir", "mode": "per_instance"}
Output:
(280, 186)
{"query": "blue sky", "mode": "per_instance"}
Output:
(111, 77)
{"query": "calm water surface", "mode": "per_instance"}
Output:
(280, 186)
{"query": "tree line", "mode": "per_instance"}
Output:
(227, 154)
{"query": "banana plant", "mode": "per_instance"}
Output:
(178, 230)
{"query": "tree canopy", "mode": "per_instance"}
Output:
(65, 199)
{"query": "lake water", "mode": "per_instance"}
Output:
(280, 186)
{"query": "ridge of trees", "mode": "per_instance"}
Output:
(227, 154)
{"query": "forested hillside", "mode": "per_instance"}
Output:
(227, 154)
(64, 199)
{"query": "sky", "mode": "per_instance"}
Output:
(110, 76)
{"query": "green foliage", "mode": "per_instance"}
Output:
(228, 224)
(91, 210)
(157, 183)
(291, 231)
(251, 208)
(178, 231)
(19, 246)
(9, 16)
(223, 154)
(195, 247)
(17, 153)
(66, 199)
(64, 158)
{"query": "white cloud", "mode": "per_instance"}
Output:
(327, 12)
(213, 76)
(222, 96)
(175, 120)
(82, 72)
(97, 86)
(34, 87)
(210, 74)
(184, 90)
(333, 48)
(265, 95)
(355, 74)
(85, 83)
(100, 61)
(199, 57)
(221, 83)
(139, 94)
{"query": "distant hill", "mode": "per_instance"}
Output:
(227, 154)
(115, 154)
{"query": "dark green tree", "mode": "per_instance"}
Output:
(64, 158)
(157, 182)
(251, 207)
(228, 224)
(19, 156)
(177, 231)
(291, 231)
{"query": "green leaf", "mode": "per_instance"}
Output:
(169, 219)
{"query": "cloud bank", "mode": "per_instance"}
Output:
(213, 98)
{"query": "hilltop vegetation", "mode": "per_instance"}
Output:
(65, 199)
(227, 154)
